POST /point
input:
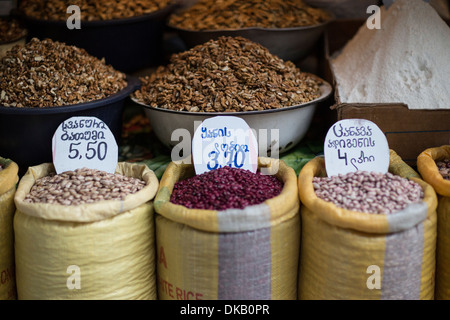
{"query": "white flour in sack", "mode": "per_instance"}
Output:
(406, 61)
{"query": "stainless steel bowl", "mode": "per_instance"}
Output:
(289, 44)
(292, 122)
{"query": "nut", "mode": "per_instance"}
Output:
(91, 10)
(234, 14)
(11, 30)
(227, 75)
(49, 74)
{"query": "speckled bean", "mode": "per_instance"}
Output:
(78, 187)
(369, 192)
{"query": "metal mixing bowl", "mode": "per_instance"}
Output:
(292, 122)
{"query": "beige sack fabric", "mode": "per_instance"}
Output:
(426, 165)
(97, 251)
(240, 254)
(8, 182)
(349, 255)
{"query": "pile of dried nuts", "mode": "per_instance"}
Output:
(229, 74)
(82, 186)
(49, 74)
(225, 188)
(444, 168)
(235, 14)
(91, 10)
(11, 30)
(370, 192)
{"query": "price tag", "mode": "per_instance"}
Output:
(224, 141)
(84, 142)
(355, 145)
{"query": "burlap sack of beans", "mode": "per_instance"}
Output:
(342, 251)
(8, 181)
(426, 165)
(97, 251)
(241, 254)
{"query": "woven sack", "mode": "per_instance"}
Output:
(8, 182)
(241, 254)
(426, 165)
(98, 251)
(350, 255)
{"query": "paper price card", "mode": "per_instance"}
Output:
(224, 141)
(84, 142)
(355, 145)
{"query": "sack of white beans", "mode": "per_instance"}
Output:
(8, 181)
(434, 166)
(366, 235)
(85, 234)
(228, 233)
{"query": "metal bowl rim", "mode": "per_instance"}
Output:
(99, 23)
(326, 90)
(315, 26)
(133, 84)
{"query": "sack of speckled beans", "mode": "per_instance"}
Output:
(8, 181)
(366, 235)
(85, 234)
(228, 233)
(433, 165)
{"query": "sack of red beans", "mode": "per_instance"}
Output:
(75, 241)
(8, 181)
(366, 235)
(434, 166)
(228, 233)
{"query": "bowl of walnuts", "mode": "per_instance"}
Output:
(12, 33)
(45, 82)
(232, 76)
(128, 34)
(289, 29)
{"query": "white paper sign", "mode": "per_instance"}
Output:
(84, 142)
(355, 145)
(224, 141)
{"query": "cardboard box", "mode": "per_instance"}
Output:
(408, 132)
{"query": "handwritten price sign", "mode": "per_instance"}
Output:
(355, 144)
(224, 141)
(84, 142)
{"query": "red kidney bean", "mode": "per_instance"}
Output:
(225, 188)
